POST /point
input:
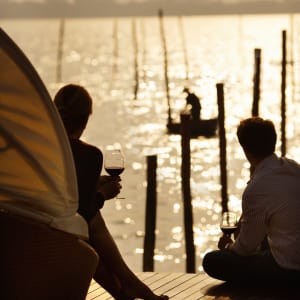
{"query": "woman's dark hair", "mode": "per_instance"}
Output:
(74, 104)
(257, 136)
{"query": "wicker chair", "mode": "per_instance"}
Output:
(41, 263)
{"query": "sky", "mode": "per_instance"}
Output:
(85, 8)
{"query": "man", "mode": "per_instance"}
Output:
(194, 102)
(270, 212)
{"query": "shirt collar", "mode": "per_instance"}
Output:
(265, 163)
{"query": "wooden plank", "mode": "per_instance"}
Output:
(183, 289)
(196, 289)
(157, 277)
(170, 283)
(96, 292)
(191, 290)
(175, 285)
(167, 283)
(181, 286)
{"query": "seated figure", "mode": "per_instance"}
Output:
(44, 254)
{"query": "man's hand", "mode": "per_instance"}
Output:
(224, 241)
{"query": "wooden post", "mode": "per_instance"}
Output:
(256, 82)
(115, 37)
(291, 61)
(185, 54)
(283, 102)
(165, 52)
(136, 64)
(150, 220)
(143, 37)
(60, 50)
(186, 191)
(222, 144)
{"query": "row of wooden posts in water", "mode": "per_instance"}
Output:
(151, 195)
(256, 89)
(61, 37)
(151, 198)
(136, 50)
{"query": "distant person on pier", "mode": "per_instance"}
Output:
(75, 106)
(266, 246)
(194, 101)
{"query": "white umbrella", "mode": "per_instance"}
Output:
(37, 173)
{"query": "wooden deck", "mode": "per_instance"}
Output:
(182, 286)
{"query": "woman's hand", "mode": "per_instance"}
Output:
(109, 186)
(106, 178)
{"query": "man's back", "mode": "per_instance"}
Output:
(275, 190)
(194, 101)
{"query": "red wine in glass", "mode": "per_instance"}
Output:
(114, 171)
(228, 223)
(228, 230)
(114, 163)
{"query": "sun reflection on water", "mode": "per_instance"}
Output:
(139, 126)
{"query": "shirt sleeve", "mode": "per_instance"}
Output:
(253, 225)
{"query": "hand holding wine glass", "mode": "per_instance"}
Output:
(114, 163)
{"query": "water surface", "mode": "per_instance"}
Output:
(101, 55)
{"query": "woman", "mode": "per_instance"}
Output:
(75, 106)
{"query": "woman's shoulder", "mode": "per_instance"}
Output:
(84, 147)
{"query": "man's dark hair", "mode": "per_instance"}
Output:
(257, 136)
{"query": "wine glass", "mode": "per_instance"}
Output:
(114, 163)
(229, 223)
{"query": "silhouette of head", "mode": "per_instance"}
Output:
(74, 104)
(186, 90)
(257, 136)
